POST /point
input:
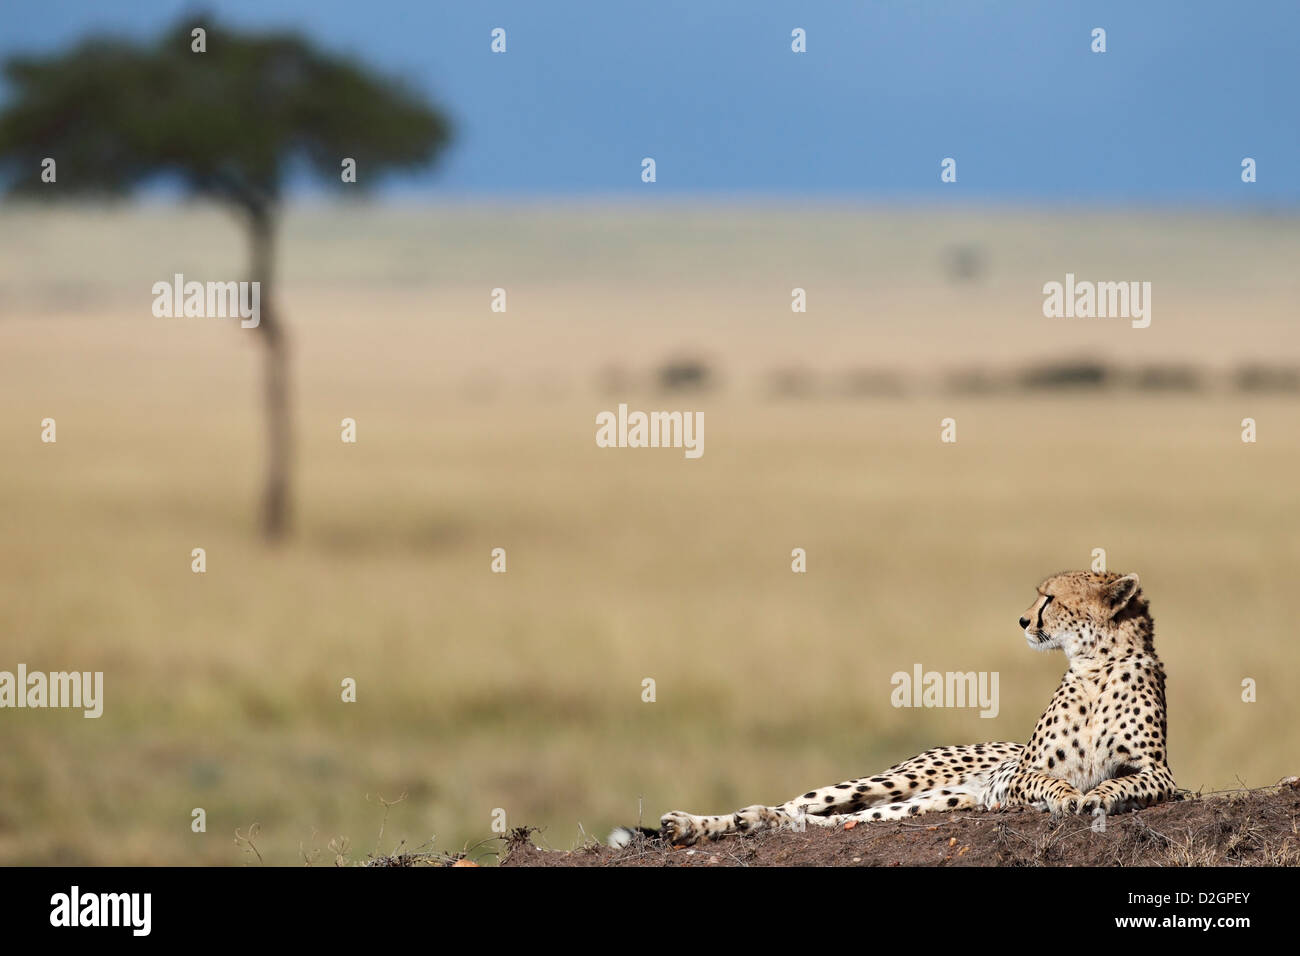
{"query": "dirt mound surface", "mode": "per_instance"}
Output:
(1237, 828)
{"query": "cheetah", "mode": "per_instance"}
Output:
(1099, 748)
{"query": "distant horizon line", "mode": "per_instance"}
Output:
(678, 198)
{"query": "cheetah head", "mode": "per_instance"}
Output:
(1077, 610)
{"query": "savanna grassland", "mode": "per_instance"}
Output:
(523, 691)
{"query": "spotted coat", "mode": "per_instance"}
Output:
(1099, 747)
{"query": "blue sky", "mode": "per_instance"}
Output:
(887, 89)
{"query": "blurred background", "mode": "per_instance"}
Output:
(522, 170)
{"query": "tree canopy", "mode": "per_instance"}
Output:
(231, 122)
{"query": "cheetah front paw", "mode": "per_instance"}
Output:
(1064, 805)
(1095, 800)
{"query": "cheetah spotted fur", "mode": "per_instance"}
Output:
(1099, 748)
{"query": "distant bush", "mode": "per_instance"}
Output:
(684, 374)
(965, 261)
(1073, 374)
(1168, 378)
(1268, 378)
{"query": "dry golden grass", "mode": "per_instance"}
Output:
(523, 691)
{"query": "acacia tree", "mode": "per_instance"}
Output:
(228, 114)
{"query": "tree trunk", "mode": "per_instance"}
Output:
(275, 496)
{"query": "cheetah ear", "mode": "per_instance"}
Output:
(1119, 592)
